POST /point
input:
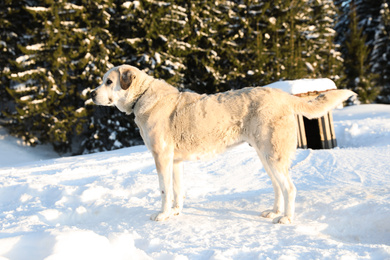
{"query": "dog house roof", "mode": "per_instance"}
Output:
(300, 86)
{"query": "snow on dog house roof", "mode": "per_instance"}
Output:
(303, 86)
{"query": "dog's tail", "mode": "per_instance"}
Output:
(319, 106)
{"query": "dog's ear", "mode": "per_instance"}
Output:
(125, 78)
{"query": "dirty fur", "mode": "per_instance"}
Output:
(179, 126)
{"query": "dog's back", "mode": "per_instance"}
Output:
(204, 125)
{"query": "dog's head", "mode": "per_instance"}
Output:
(120, 88)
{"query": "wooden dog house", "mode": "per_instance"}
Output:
(316, 133)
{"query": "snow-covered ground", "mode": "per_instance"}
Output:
(98, 206)
(13, 152)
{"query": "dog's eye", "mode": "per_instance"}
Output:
(108, 82)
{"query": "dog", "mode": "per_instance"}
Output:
(179, 126)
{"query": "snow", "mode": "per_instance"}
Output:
(28, 73)
(98, 206)
(14, 152)
(70, 6)
(25, 59)
(35, 47)
(304, 85)
(127, 4)
(37, 9)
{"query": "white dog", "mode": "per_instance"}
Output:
(178, 126)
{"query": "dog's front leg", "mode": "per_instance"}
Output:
(177, 188)
(164, 166)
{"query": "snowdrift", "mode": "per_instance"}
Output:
(98, 206)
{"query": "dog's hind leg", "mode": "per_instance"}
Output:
(276, 151)
(177, 188)
(164, 166)
(284, 189)
(289, 192)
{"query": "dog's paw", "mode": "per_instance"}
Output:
(270, 214)
(282, 220)
(176, 211)
(160, 216)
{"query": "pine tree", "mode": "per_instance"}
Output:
(107, 128)
(373, 19)
(7, 52)
(202, 52)
(286, 40)
(13, 19)
(172, 42)
(325, 57)
(293, 40)
(142, 29)
(356, 61)
(28, 95)
(115, 39)
(274, 40)
(380, 55)
(220, 33)
(244, 59)
(51, 108)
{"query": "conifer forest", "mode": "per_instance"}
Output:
(54, 52)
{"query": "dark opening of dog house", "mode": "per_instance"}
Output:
(316, 133)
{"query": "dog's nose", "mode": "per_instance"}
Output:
(93, 94)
